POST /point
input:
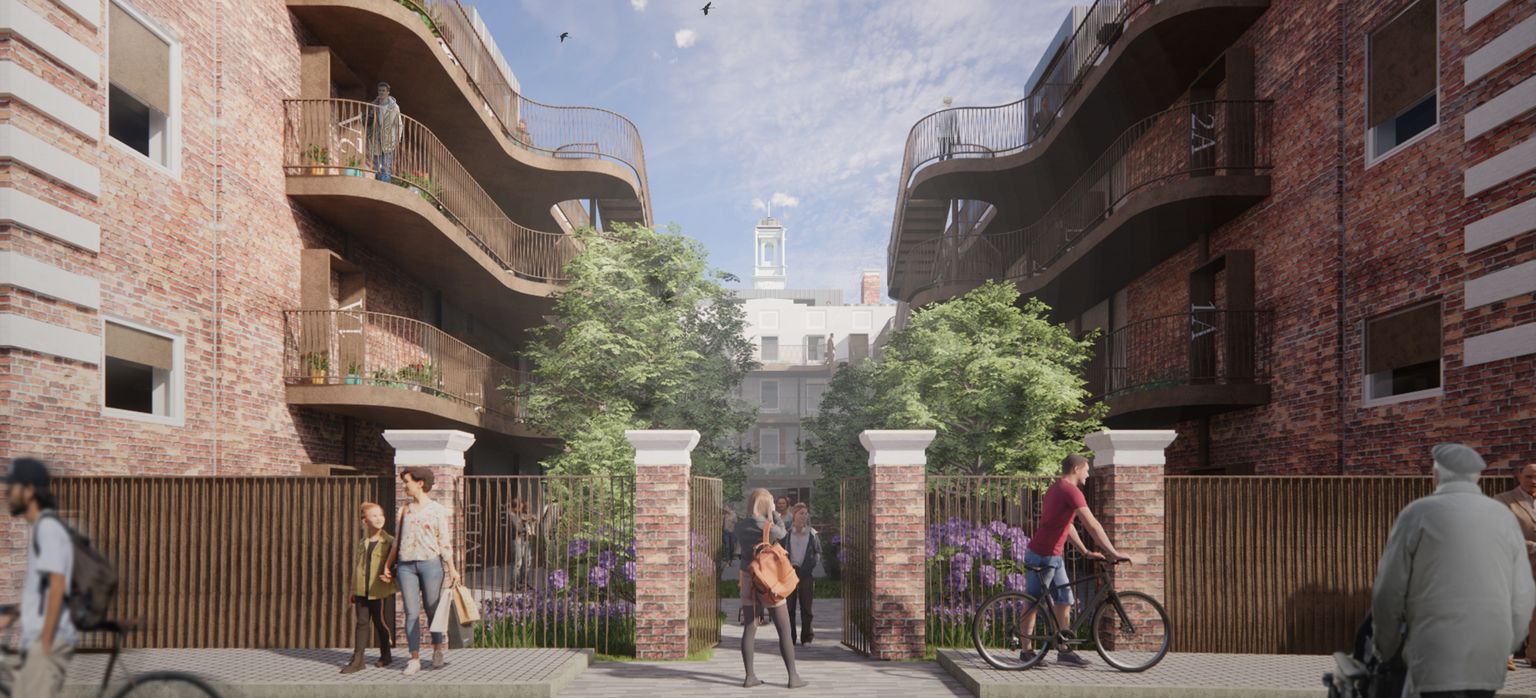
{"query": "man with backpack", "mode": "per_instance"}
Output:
(47, 632)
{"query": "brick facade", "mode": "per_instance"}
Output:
(1129, 498)
(897, 477)
(1340, 241)
(662, 470)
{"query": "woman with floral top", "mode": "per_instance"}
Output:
(424, 550)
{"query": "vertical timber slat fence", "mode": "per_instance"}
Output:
(251, 562)
(705, 518)
(857, 561)
(551, 560)
(1279, 564)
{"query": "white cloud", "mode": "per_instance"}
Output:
(639, 5)
(785, 200)
(685, 38)
(759, 204)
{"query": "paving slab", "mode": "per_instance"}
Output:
(1177, 676)
(279, 673)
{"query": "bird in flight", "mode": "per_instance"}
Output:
(563, 36)
(708, 5)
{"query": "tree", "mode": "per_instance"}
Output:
(645, 336)
(1001, 385)
(847, 409)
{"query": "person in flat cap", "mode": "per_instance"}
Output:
(1454, 592)
(47, 634)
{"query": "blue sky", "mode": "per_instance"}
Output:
(808, 101)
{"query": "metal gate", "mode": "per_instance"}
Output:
(856, 555)
(705, 518)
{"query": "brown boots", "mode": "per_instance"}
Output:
(369, 626)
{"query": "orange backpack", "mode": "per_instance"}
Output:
(773, 577)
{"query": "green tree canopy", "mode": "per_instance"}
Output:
(1000, 383)
(645, 336)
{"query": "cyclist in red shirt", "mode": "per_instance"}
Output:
(1062, 503)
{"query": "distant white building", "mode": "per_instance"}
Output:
(802, 336)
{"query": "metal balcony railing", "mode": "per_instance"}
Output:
(586, 132)
(331, 137)
(1187, 141)
(795, 355)
(353, 347)
(1201, 347)
(781, 464)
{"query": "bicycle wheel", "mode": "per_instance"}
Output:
(996, 631)
(166, 684)
(1131, 631)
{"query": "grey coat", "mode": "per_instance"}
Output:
(1454, 590)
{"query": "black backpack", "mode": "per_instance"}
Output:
(92, 580)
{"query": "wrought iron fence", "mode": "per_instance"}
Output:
(1279, 564)
(855, 557)
(705, 520)
(978, 530)
(1203, 347)
(343, 137)
(1186, 141)
(551, 559)
(556, 130)
(354, 347)
(252, 562)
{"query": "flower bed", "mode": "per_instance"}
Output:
(967, 563)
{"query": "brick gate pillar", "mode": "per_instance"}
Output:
(897, 493)
(1129, 501)
(662, 466)
(442, 452)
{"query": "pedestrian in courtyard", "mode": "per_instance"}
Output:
(1062, 503)
(370, 593)
(1521, 501)
(47, 632)
(749, 531)
(728, 523)
(1453, 592)
(781, 512)
(424, 550)
(521, 521)
(804, 547)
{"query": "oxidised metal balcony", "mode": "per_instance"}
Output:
(1163, 370)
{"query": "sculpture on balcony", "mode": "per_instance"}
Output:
(384, 131)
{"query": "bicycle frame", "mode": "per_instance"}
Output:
(1105, 593)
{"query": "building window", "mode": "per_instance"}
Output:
(139, 372)
(1401, 81)
(143, 66)
(768, 391)
(811, 399)
(770, 254)
(769, 320)
(768, 452)
(770, 349)
(815, 347)
(1402, 353)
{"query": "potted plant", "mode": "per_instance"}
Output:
(354, 166)
(319, 364)
(319, 158)
(383, 377)
(354, 374)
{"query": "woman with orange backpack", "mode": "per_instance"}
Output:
(766, 578)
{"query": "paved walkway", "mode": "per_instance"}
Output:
(831, 669)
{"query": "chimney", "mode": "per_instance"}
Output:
(869, 288)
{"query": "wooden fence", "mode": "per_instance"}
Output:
(228, 561)
(1279, 565)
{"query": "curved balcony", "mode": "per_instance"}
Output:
(1127, 59)
(1162, 182)
(1164, 370)
(409, 204)
(400, 372)
(532, 155)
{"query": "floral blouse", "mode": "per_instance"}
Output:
(424, 532)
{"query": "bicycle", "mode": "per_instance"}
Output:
(1129, 629)
(153, 683)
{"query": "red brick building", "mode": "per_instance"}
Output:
(206, 268)
(1305, 229)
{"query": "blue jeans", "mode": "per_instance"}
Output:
(384, 164)
(420, 578)
(1056, 575)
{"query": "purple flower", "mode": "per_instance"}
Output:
(957, 580)
(1015, 582)
(598, 577)
(931, 547)
(580, 546)
(608, 559)
(835, 540)
(559, 579)
(998, 528)
(629, 572)
(988, 576)
(960, 561)
(630, 550)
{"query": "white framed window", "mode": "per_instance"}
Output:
(1403, 355)
(863, 320)
(1402, 83)
(768, 349)
(141, 373)
(815, 347)
(816, 320)
(143, 87)
(810, 398)
(769, 453)
(770, 254)
(768, 395)
(768, 320)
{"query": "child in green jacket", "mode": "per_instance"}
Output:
(369, 591)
